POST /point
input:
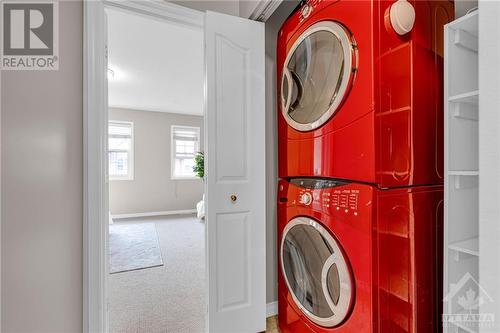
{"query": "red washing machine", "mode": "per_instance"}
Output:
(358, 101)
(354, 258)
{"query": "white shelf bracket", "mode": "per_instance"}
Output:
(465, 111)
(466, 40)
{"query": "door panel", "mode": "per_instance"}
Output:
(233, 286)
(235, 169)
(231, 62)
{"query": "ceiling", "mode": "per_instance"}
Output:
(157, 65)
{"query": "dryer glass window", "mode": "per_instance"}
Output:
(316, 272)
(316, 75)
(304, 253)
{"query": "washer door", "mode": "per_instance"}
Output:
(316, 272)
(317, 75)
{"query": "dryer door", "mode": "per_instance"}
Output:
(317, 75)
(316, 272)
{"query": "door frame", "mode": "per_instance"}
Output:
(95, 118)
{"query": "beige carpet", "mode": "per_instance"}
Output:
(169, 298)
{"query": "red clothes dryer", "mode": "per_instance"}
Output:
(357, 101)
(353, 258)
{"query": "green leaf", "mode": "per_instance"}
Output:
(199, 164)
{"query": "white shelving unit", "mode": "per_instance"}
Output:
(461, 256)
(489, 164)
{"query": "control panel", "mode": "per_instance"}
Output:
(326, 195)
(345, 200)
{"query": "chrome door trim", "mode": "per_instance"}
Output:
(341, 309)
(344, 272)
(350, 60)
(288, 76)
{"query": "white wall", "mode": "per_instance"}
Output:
(152, 189)
(41, 135)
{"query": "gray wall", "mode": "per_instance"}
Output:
(247, 7)
(152, 189)
(463, 6)
(41, 239)
(272, 27)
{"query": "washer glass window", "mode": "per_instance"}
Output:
(316, 272)
(317, 75)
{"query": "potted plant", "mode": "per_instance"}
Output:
(199, 170)
(199, 164)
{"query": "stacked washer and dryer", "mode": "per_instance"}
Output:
(360, 200)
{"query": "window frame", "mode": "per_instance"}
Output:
(173, 176)
(131, 160)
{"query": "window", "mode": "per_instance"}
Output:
(120, 150)
(185, 145)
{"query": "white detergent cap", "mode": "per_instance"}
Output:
(402, 16)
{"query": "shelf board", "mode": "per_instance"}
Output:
(394, 294)
(471, 97)
(465, 180)
(463, 173)
(469, 246)
(394, 234)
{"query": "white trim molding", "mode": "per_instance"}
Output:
(264, 10)
(149, 214)
(95, 198)
(271, 309)
(162, 10)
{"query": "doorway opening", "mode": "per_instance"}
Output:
(156, 232)
(234, 186)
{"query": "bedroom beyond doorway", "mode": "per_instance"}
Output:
(156, 238)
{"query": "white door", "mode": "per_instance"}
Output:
(235, 169)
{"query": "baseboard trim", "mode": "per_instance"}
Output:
(271, 309)
(148, 214)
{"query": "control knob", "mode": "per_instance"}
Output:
(306, 198)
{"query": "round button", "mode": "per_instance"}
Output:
(306, 10)
(306, 198)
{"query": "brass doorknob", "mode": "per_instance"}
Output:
(233, 198)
